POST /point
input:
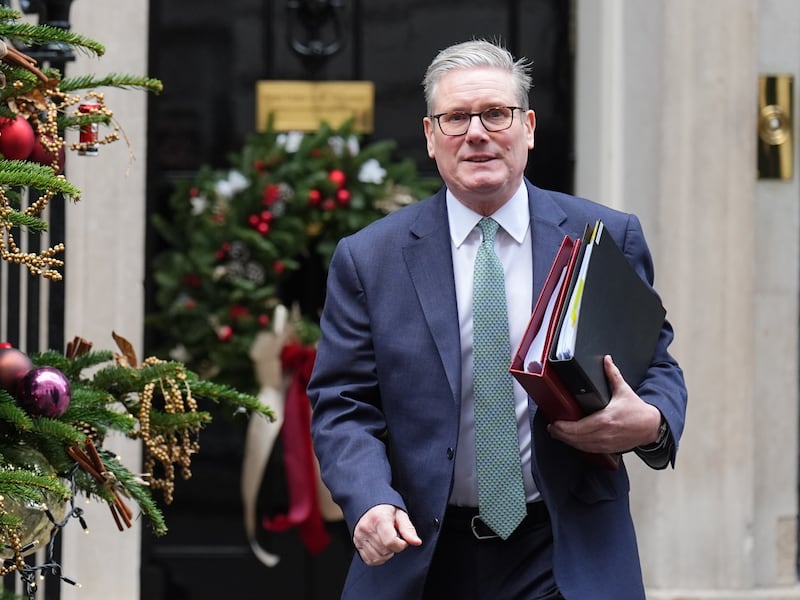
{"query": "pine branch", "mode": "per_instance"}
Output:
(178, 422)
(31, 34)
(8, 522)
(117, 80)
(137, 490)
(161, 370)
(40, 177)
(13, 414)
(6, 595)
(92, 409)
(9, 14)
(50, 358)
(90, 359)
(118, 381)
(25, 83)
(222, 394)
(18, 219)
(58, 431)
(72, 368)
(23, 484)
(50, 437)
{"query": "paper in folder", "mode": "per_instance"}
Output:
(593, 303)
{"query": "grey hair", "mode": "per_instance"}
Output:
(478, 53)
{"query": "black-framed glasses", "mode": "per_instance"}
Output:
(496, 118)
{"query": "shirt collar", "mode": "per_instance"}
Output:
(514, 217)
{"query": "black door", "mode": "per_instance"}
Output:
(209, 56)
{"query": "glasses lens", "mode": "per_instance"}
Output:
(454, 123)
(497, 118)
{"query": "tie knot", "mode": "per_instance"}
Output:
(489, 228)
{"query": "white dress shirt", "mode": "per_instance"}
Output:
(513, 246)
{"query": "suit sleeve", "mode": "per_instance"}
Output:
(663, 386)
(348, 425)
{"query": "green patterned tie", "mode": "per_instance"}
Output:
(501, 494)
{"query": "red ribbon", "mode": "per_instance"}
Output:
(298, 455)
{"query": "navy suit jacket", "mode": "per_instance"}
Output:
(385, 392)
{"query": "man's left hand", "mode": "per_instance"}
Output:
(626, 422)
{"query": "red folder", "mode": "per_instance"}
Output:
(544, 385)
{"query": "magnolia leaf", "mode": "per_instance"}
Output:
(128, 357)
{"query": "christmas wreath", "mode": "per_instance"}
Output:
(245, 239)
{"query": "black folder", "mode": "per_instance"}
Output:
(620, 314)
(530, 365)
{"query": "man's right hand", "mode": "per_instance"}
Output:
(383, 531)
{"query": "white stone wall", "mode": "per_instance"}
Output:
(105, 271)
(666, 108)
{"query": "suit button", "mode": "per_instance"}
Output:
(450, 453)
(436, 524)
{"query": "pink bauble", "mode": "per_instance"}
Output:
(44, 392)
(13, 365)
(16, 138)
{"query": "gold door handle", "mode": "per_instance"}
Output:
(775, 123)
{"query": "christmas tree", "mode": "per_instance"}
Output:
(56, 409)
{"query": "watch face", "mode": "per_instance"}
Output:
(662, 431)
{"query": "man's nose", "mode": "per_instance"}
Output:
(476, 128)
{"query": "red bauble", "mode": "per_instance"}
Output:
(16, 138)
(343, 197)
(44, 392)
(13, 365)
(43, 156)
(337, 177)
(225, 333)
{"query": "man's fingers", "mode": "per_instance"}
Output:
(382, 532)
(406, 529)
(615, 379)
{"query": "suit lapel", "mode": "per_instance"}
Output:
(430, 266)
(546, 234)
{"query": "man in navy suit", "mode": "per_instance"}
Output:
(392, 389)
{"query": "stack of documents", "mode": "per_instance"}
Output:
(593, 303)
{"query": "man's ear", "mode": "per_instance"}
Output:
(427, 124)
(530, 124)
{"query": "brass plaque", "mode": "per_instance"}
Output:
(303, 105)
